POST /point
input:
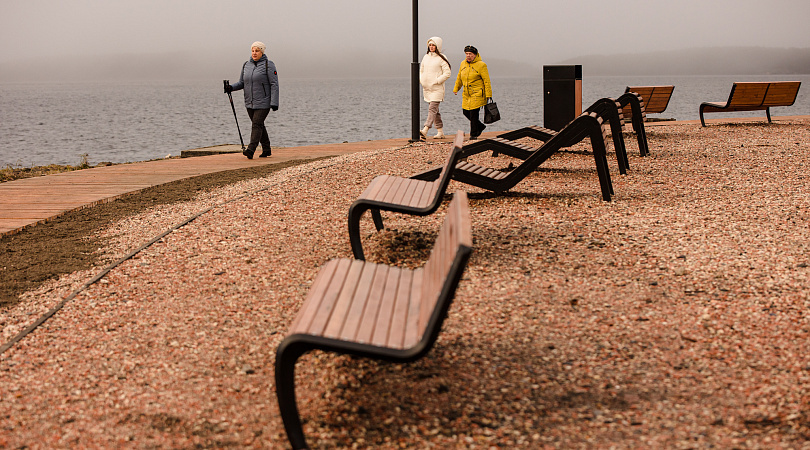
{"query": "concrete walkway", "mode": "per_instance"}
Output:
(35, 200)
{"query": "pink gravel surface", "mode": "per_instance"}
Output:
(675, 316)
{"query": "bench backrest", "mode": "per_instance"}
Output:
(656, 98)
(443, 270)
(440, 185)
(763, 94)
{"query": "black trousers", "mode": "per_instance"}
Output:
(476, 126)
(258, 132)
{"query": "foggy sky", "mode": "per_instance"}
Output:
(531, 31)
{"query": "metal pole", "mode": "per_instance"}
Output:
(415, 76)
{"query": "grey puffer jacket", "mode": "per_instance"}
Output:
(259, 79)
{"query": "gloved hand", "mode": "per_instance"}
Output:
(274, 108)
(228, 88)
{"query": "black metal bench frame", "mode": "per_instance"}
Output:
(611, 111)
(588, 124)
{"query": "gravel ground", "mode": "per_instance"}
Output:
(674, 316)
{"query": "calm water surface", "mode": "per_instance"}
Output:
(135, 121)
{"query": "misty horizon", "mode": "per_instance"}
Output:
(178, 65)
(151, 39)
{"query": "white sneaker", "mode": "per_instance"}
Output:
(423, 132)
(439, 134)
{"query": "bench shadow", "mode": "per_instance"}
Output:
(521, 392)
(480, 196)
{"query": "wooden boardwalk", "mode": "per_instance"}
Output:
(30, 201)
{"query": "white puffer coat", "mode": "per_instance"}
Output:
(433, 72)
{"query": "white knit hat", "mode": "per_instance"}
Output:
(259, 45)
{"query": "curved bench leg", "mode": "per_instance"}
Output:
(355, 213)
(286, 357)
(377, 217)
(702, 122)
(643, 146)
(618, 142)
(768, 113)
(600, 158)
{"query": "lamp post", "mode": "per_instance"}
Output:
(415, 76)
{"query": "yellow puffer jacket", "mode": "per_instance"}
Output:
(474, 77)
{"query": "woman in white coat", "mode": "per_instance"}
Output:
(433, 72)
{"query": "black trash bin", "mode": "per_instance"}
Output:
(562, 99)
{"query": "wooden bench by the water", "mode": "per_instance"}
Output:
(589, 125)
(374, 310)
(401, 195)
(656, 99)
(754, 96)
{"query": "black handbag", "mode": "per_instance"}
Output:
(491, 113)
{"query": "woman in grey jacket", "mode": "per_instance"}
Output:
(259, 79)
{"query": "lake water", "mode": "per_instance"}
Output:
(136, 121)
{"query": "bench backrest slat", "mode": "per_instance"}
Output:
(655, 98)
(747, 94)
(782, 93)
(763, 94)
(453, 243)
(449, 165)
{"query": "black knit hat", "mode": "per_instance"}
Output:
(470, 49)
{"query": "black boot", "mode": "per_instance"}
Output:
(249, 153)
(266, 152)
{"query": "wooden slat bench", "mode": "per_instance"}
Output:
(401, 195)
(754, 96)
(656, 99)
(373, 310)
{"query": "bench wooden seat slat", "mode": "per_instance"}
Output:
(412, 324)
(429, 191)
(377, 187)
(406, 294)
(337, 312)
(384, 276)
(754, 96)
(307, 312)
(353, 322)
(383, 329)
(393, 190)
(415, 196)
(314, 318)
(401, 195)
(372, 310)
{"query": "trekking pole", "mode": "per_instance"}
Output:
(234, 112)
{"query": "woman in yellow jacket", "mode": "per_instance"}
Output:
(474, 77)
